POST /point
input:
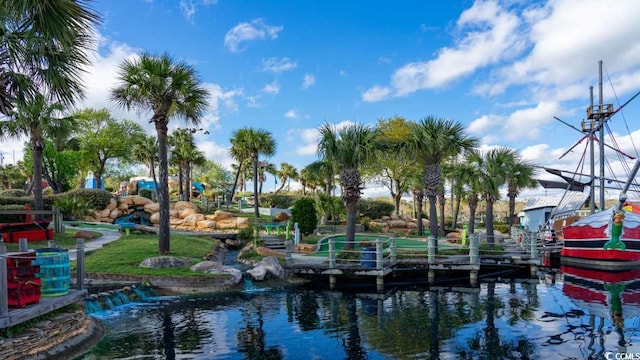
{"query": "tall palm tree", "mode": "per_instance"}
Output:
(146, 151)
(286, 173)
(169, 89)
(44, 47)
(519, 176)
(183, 147)
(492, 168)
(435, 140)
(194, 157)
(348, 149)
(271, 169)
(258, 142)
(35, 119)
(240, 153)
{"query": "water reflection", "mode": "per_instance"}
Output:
(575, 315)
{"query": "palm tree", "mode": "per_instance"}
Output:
(287, 172)
(146, 151)
(183, 151)
(44, 47)
(348, 149)
(258, 142)
(492, 168)
(271, 169)
(169, 89)
(239, 152)
(435, 140)
(35, 119)
(193, 157)
(519, 176)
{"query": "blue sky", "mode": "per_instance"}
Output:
(504, 69)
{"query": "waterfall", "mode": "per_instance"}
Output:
(114, 298)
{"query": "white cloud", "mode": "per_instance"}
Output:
(375, 94)
(216, 153)
(496, 39)
(304, 140)
(257, 29)
(189, 7)
(308, 81)
(291, 114)
(272, 88)
(485, 123)
(526, 123)
(278, 65)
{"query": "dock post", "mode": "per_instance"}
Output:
(533, 269)
(23, 245)
(473, 249)
(332, 254)
(332, 282)
(79, 263)
(473, 277)
(534, 249)
(51, 243)
(393, 250)
(380, 283)
(287, 252)
(379, 257)
(431, 276)
(431, 249)
(4, 294)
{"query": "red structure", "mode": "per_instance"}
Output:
(22, 285)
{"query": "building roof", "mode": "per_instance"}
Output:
(569, 202)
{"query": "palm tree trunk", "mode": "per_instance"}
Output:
(441, 201)
(352, 211)
(235, 184)
(473, 205)
(418, 196)
(37, 179)
(456, 212)
(180, 188)
(489, 223)
(512, 208)
(164, 235)
(433, 218)
(255, 187)
(155, 180)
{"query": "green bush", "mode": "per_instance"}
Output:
(13, 193)
(374, 209)
(280, 201)
(145, 193)
(304, 213)
(503, 228)
(247, 233)
(96, 199)
(73, 207)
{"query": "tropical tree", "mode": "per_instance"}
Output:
(319, 174)
(34, 120)
(269, 168)
(348, 149)
(184, 154)
(44, 47)
(240, 153)
(519, 176)
(169, 89)
(394, 160)
(434, 140)
(492, 166)
(286, 173)
(146, 152)
(457, 173)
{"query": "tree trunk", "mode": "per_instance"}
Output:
(433, 218)
(489, 223)
(255, 187)
(418, 196)
(235, 183)
(441, 201)
(512, 208)
(37, 178)
(180, 188)
(187, 174)
(352, 211)
(456, 212)
(164, 235)
(473, 205)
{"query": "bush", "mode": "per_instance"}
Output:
(247, 233)
(13, 193)
(96, 199)
(145, 193)
(73, 207)
(374, 209)
(304, 213)
(503, 228)
(280, 201)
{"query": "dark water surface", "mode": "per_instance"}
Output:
(575, 315)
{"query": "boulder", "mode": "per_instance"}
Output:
(141, 200)
(265, 268)
(192, 220)
(212, 267)
(155, 218)
(161, 262)
(183, 205)
(411, 225)
(265, 251)
(205, 224)
(103, 213)
(306, 248)
(123, 206)
(221, 215)
(114, 214)
(394, 216)
(232, 243)
(242, 222)
(229, 223)
(112, 204)
(172, 221)
(283, 216)
(83, 234)
(151, 208)
(183, 213)
(397, 223)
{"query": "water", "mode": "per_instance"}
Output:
(577, 315)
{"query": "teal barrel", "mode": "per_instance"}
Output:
(54, 271)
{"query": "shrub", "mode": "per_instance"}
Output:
(247, 233)
(145, 193)
(13, 193)
(73, 207)
(280, 201)
(96, 199)
(503, 228)
(304, 213)
(374, 209)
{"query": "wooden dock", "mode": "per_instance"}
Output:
(389, 261)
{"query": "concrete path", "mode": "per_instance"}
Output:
(107, 237)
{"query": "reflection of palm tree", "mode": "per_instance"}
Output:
(168, 336)
(353, 343)
(251, 339)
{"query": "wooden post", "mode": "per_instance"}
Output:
(332, 254)
(473, 249)
(379, 257)
(23, 245)
(57, 220)
(534, 249)
(380, 283)
(332, 282)
(4, 294)
(393, 250)
(51, 243)
(287, 252)
(473, 278)
(79, 263)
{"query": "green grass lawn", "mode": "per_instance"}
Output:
(125, 254)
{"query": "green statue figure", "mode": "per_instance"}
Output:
(616, 231)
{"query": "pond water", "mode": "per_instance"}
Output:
(578, 314)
